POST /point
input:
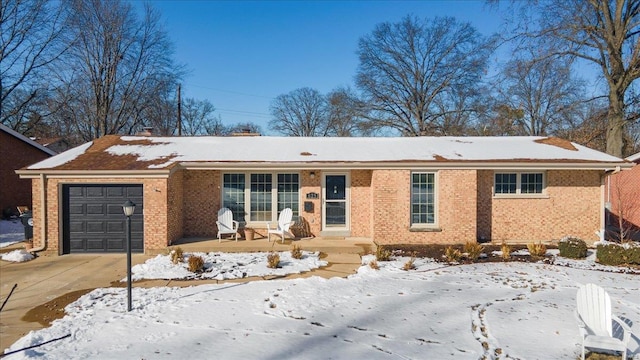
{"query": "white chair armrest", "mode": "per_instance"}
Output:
(583, 327)
(236, 225)
(625, 328)
(218, 224)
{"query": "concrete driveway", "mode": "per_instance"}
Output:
(49, 277)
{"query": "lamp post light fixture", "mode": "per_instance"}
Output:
(129, 208)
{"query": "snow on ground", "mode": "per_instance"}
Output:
(17, 256)
(225, 266)
(518, 310)
(11, 232)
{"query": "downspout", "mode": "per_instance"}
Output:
(43, 213)
(603, 206)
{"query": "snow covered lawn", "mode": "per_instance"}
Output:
(225, 266)
(515, 309)
(11, 232)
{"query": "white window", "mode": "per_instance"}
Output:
(423, 199)
(519, 183)
(254, 200)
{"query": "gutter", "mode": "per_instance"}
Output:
(43, 213)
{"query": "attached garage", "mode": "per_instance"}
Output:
(93, 220)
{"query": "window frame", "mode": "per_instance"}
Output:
(427, 225)
(518, 189)
(274, 199)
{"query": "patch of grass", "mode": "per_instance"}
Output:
(374, 265)
(196, 263)
(473, 250)
(176, 254)
(382, 254)
(506, 251)
(452, 255)
(273, 260)
(296, 252)
(537, 250)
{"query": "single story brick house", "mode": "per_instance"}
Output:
(414, 190)
(16, 152)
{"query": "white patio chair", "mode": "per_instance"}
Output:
(284, 223)
(596, 320)
(226, 224)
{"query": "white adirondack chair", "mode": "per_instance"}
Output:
(595, 321)
(284, 223)
(226, 224)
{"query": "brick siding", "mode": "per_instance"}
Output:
(624, 194)
(572, 207)
(156, 222)
(16, 154)
(186, 205)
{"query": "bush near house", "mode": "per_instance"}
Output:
(573, 248)
(618, 254)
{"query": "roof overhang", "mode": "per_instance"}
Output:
(95, 174)
(403, 165)
(297, 166)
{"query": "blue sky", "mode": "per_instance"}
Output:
(242, 54)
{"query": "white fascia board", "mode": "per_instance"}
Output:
(95, 174)
(402, 165)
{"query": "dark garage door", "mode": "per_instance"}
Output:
(93, 220)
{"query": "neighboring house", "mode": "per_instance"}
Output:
(623, 197)
(411, 190)
(57, 144)
(16, 152)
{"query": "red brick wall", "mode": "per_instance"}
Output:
(156, 229)
(175, 206)
(455, 208)
(624, 194)
(572, 206)
(201, 202)
(361, 203)
(16, 154)
(308, 185)
(485, 195)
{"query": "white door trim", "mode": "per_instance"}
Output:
(347, 201)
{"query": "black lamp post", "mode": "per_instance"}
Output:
(128, 209)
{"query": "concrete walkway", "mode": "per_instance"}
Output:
(49, 277)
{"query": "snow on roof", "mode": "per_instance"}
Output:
(634, 157)
(62, 158)
(136, 152)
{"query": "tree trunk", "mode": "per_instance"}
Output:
(615, 125)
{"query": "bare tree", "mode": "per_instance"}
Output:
(31, 33)
(410, 70)
(543, 90)
(602, 32)
(198, 118)
(347, 113)
(116, 68)
(302, 112)
(243, 127)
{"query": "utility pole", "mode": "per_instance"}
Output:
(179, 113)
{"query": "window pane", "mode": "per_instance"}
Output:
(423, 198)
(288, 187)
(261, 197)
(505, 183)
(233, 195)
(531, 183)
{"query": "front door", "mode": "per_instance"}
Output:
(335, 202)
